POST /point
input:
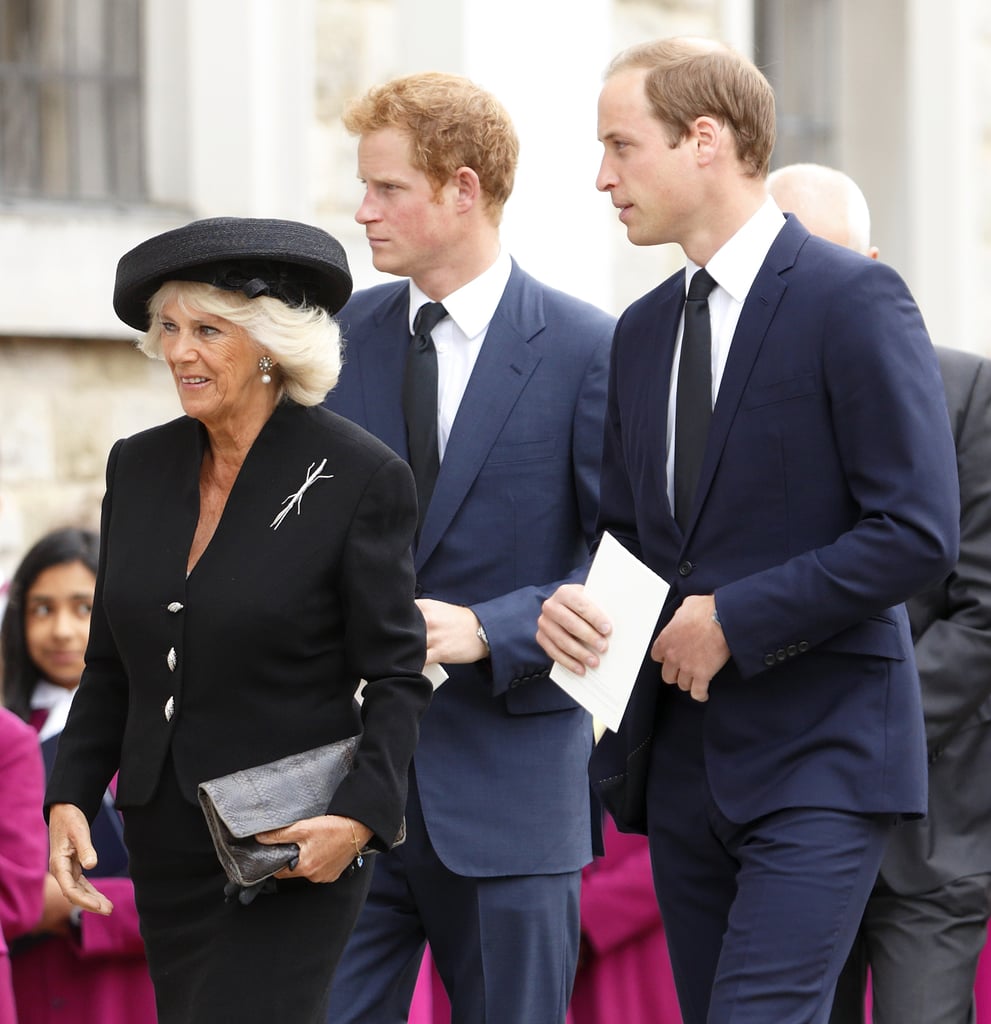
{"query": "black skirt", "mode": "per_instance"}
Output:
(218, 962)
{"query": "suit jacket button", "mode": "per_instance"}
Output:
(803, 646)
(169, 709)
(792, 650)
(685, 569)
(769, 659)
(175, 607)
(172, 659)
(781, 655)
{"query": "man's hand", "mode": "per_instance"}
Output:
(691, 648)
(71, 851)
(572, 630)
(452, 633)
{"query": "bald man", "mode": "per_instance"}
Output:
(926, 920)
(828, 202)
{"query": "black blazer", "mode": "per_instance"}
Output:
(951, 624)
(257, 654)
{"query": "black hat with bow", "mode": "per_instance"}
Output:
(299, 264)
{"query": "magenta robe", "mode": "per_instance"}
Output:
(430, 1004)
(99, 976)
(624, 976)
(982, 987)
(23, 843)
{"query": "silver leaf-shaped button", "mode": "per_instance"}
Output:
(169, 709)
(172, 658)
(175, 606)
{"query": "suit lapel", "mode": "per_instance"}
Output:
(381, 362)
(671, 302)
(504, 366)
(758, 312)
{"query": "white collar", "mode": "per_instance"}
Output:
(56, 700)
(474, 304)
(735, 265)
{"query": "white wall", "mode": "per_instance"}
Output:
(229, 110)
(544, 62)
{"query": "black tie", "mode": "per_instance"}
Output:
(693, 408)
(420, 403)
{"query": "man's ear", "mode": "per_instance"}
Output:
(874, 252)
(706, 136)
(469, 188)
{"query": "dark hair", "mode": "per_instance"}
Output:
(60, 547)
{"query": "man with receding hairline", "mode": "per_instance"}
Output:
(777, 449)
(926, 921)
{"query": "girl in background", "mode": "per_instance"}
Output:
(73, 966)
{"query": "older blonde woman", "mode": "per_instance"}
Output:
(254, 568)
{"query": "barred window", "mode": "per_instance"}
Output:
(70, 100)
(796, 46)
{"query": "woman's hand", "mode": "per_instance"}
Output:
(71, 851)
(326, 845)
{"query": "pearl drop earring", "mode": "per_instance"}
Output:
(265, 364)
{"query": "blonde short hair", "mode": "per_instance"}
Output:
(304, 341)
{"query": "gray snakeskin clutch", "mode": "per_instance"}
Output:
(240, 805)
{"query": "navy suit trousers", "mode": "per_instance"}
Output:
(759, 915)
(506, 947)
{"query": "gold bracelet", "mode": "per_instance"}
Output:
(358, 859)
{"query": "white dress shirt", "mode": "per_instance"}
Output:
(458, 337)
(733, 267)
(56, 700)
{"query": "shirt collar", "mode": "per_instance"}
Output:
(736, 263)
(474, 304)
(56, 700)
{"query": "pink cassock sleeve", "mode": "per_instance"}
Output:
(23, 836)
(617, 900)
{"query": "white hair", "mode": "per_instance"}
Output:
(305, 341)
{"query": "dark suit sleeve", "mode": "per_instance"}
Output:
(510, 620)
(617, 510)
(954, 651)
(887, 414)
(90, 744)
(386, 646)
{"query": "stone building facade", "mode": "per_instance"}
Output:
(233, 107)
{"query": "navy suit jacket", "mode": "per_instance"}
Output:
(828, 495)
(501, 764)
(951, 623)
